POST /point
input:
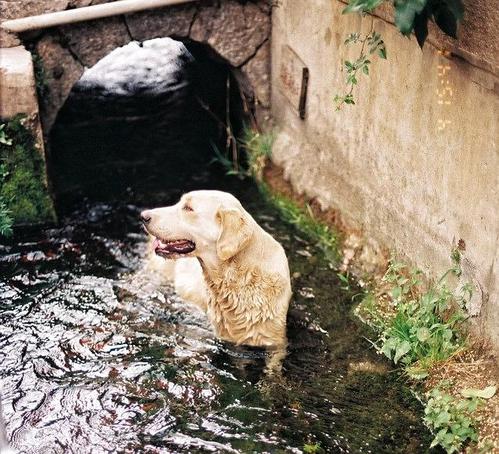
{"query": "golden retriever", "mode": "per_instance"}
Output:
(227, 265)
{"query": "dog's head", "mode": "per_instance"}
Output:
(211, 225)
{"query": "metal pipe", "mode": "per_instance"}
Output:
(85, 13)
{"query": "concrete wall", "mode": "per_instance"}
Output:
(388, 163)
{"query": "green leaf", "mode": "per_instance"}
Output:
(396, 292)
(421, 26)
(405, 13)
(365, 69)
(382, 52)
(445, 20)
(360, 6)
(402, 349)
(456, 7)
(485, 393)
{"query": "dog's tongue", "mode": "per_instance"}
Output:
(170, 247)
(157, 244)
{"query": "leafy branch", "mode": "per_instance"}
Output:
(360, 66)
(410, 16)
(413, 15)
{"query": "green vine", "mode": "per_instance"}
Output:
(410, 16)
(361, 65)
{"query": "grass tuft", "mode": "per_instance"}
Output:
(303, 219)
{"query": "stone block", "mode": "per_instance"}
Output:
(174, 21)
(62, 72)
(257, 70)
(225, 29)
(90, 41)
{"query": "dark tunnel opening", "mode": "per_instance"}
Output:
(124, 134)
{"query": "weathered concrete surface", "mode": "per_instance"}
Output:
(17, 83)
(384, 163)
(24, 188)
(237, 31)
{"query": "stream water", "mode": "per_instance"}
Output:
(97, 356)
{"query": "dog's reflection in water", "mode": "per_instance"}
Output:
(252, 364)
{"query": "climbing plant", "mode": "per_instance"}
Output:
(410, 16)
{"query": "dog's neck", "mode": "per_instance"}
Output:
(213, 268)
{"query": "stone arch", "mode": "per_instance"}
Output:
(237, 31)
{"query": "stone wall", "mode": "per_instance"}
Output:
(416, 175)
(237, 31)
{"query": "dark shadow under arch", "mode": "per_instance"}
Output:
(108, 146)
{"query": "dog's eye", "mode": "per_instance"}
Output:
(187, 208)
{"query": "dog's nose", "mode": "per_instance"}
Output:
(145, 216)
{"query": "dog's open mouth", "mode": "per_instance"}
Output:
(169, 248)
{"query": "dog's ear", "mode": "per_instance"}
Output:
(235, 234)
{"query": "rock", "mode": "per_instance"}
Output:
(226, 27)
(174, 21)
(257, 70)
(18, 9)
(79, 3)
(8, 39)
(90, 41)
(24, 8)
(62, 70)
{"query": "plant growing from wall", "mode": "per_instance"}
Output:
(5, 218)
(42, 85)
(421, 327)
(410, 16)
(23, 191)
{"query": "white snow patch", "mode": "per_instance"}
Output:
(154, 65)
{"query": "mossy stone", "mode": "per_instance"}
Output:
(23, 177)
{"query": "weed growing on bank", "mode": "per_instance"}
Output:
(304, 220)
(258, 150)
(417, 327)
(420, 327)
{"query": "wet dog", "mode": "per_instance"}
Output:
(226, 264)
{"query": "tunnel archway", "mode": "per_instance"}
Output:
(145, 118)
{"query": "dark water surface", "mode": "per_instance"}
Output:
(97, 356)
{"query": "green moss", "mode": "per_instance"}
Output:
(23, 189)
(258, 149)
(42, 85)
(303, 219)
